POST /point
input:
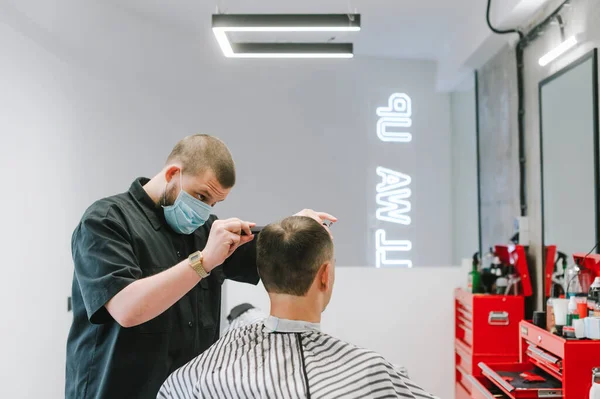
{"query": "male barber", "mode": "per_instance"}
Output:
(147, 286)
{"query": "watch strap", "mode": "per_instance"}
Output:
(197, 263)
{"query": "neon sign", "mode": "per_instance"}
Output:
(383, 246)
(393, 192)
(397, 114)
(393, 197)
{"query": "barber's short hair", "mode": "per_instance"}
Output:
(290, 252)
(200, 153)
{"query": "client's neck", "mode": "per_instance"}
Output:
(293, 307)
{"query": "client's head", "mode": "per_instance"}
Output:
(295, 261)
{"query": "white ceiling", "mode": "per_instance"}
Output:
(409, 29)
(452, 33)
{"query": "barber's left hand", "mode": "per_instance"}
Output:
(318, 216)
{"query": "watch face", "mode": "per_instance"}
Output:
(195, 257)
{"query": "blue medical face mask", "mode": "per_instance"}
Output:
(187, 213)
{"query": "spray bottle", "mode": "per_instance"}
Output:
(474, 283)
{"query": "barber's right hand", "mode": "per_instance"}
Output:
(224, 238)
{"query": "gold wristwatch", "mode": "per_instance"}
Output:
(197, 263)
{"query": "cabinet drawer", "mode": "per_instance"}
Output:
(464, 312)
(464, 298)
(464, 334)
(461, 392)
(463, 322)
(543, 339)
(462, 377)
(463, 357)
(480, 391)
(495, 328)
(508, 378)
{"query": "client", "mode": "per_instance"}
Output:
(287, 355)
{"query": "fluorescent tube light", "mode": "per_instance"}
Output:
(290, 50)
(558, 51)
(223, 23)
(292, 55)
(292, 29)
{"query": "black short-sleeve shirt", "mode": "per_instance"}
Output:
(121, 239)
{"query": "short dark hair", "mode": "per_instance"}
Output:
(200, 153)
(290, 252)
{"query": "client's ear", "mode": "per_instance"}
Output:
(325, 276)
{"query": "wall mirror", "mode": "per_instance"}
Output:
(569, 157)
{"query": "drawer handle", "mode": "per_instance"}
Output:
(476, 385)
(488, 372)
(498, 319)
(550, 393)
(543, 355)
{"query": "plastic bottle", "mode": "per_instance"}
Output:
(572, 313)
(572, 284)
(593, 296)
(550, 320)
(501, 284)
(549, 315)
(595, 390)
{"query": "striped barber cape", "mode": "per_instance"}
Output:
(287, 359)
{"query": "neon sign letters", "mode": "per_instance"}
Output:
(393, 192)
(396, 115)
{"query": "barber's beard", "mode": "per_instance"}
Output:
(168, 197)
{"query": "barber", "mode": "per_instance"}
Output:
(147, 283)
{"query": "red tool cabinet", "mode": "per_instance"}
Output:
(567, 365)
(486, 330)
(489, 360)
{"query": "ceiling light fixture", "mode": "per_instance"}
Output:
(558, 51)
(224, 23)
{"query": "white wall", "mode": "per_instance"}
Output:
(37, 160)
(407, 315)
(85, 111)
(465, 209)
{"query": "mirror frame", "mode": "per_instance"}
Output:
(593, 54)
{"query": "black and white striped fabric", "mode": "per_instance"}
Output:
(287, 359)
(250, 316)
